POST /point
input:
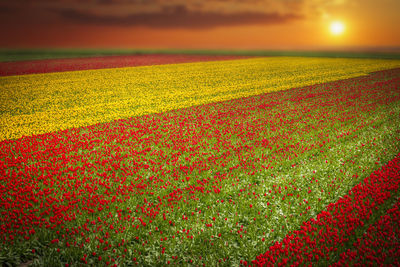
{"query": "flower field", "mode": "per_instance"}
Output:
(268, 161)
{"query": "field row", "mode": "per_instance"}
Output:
(73, 64)
(41, 103)
(379, 245)
(219, 182)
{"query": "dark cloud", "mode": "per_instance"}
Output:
(4, 8)
(178, 16)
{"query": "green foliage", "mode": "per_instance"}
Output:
(32, 54)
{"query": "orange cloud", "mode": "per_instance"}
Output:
(178, 16)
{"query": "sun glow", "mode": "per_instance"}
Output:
(337, 28)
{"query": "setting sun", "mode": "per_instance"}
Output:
(337, 28)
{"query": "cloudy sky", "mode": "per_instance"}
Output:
(194, 24)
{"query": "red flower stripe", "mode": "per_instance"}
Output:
(71, 64)
(319, 239)
(379, 245)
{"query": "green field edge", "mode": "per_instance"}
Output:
(10, 55)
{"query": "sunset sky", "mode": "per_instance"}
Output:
(199, 24)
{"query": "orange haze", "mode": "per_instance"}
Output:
(205, 24)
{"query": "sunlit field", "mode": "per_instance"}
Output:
(256, 161)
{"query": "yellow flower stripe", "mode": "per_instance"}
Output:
(41, 103)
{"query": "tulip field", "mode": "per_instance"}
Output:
(280, 161)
